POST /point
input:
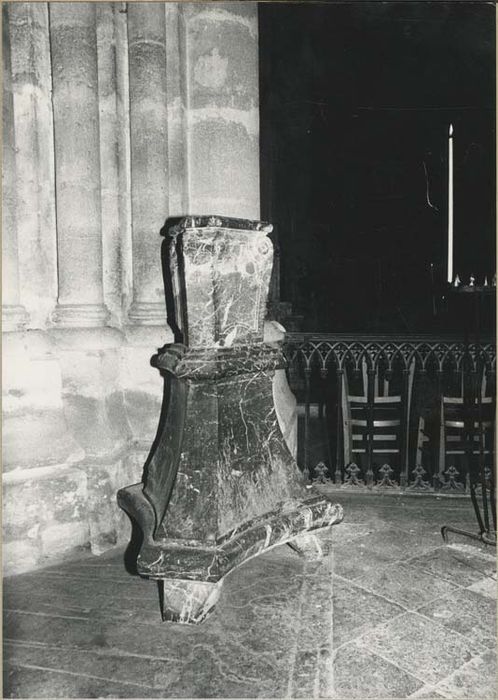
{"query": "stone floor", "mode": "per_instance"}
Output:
(391, 613)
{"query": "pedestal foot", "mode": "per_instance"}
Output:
(307, 546)
(188, 602)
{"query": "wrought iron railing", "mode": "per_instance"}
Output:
(323, 369)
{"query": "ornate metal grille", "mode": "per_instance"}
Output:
(421, 370)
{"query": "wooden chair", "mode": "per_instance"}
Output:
(466, 438)
(376, 427)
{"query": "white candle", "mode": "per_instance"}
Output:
(450, 204)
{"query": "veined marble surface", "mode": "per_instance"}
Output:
(220, 484)
(220, 277)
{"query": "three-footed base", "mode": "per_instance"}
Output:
(190, 602)
(191, 574)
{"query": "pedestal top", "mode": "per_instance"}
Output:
(213, 221)
(220, 270)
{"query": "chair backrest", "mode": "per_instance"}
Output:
(379, 430)
(383, 427)
(465, 423)
(380, 422)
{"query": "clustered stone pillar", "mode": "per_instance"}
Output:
(149, 157)
(221, 485)
(78, 196)
(36, 444)
(14, 315)
(118, 116)
(90, 350)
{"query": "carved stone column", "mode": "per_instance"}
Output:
(14, 316)
(221, 485)
(149, 157)
(35, 176)
(76, 128)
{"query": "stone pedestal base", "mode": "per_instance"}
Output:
(191, 573)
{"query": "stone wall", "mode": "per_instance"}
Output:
(116, 117)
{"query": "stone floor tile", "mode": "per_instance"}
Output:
(397, 544)
(129, 610)
(34, 682)
(476, 680)
(466, 612)
(352, 563)
(358, 508)
(311, 656)
(266, 631)
(228, 659)
(130, 637)
(209, 672)
(359, 673)
(374, 550)
(466, 543)
(206, 655)
(314, 624)
(274, 631)
(474, 548)
(349, 531)
(357, 611)
(305, 679)
(73, 631)
(426, 692)
(84, 591)
(110, 572)
(389, 507)
(68, 596)
(406, 585)
(486, 586)
(420, 646)
(120, 668)
(260, 613)
(453, 565)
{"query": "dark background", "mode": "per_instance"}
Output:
(356, 100)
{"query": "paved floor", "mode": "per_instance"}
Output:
(391, 613)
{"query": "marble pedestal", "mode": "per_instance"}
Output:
(220, 485)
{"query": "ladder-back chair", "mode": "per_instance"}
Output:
(376, 426)
(467, 434)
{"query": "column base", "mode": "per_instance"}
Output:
(14, 317)
(147, 314)
(80, 315)
(184, 565)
